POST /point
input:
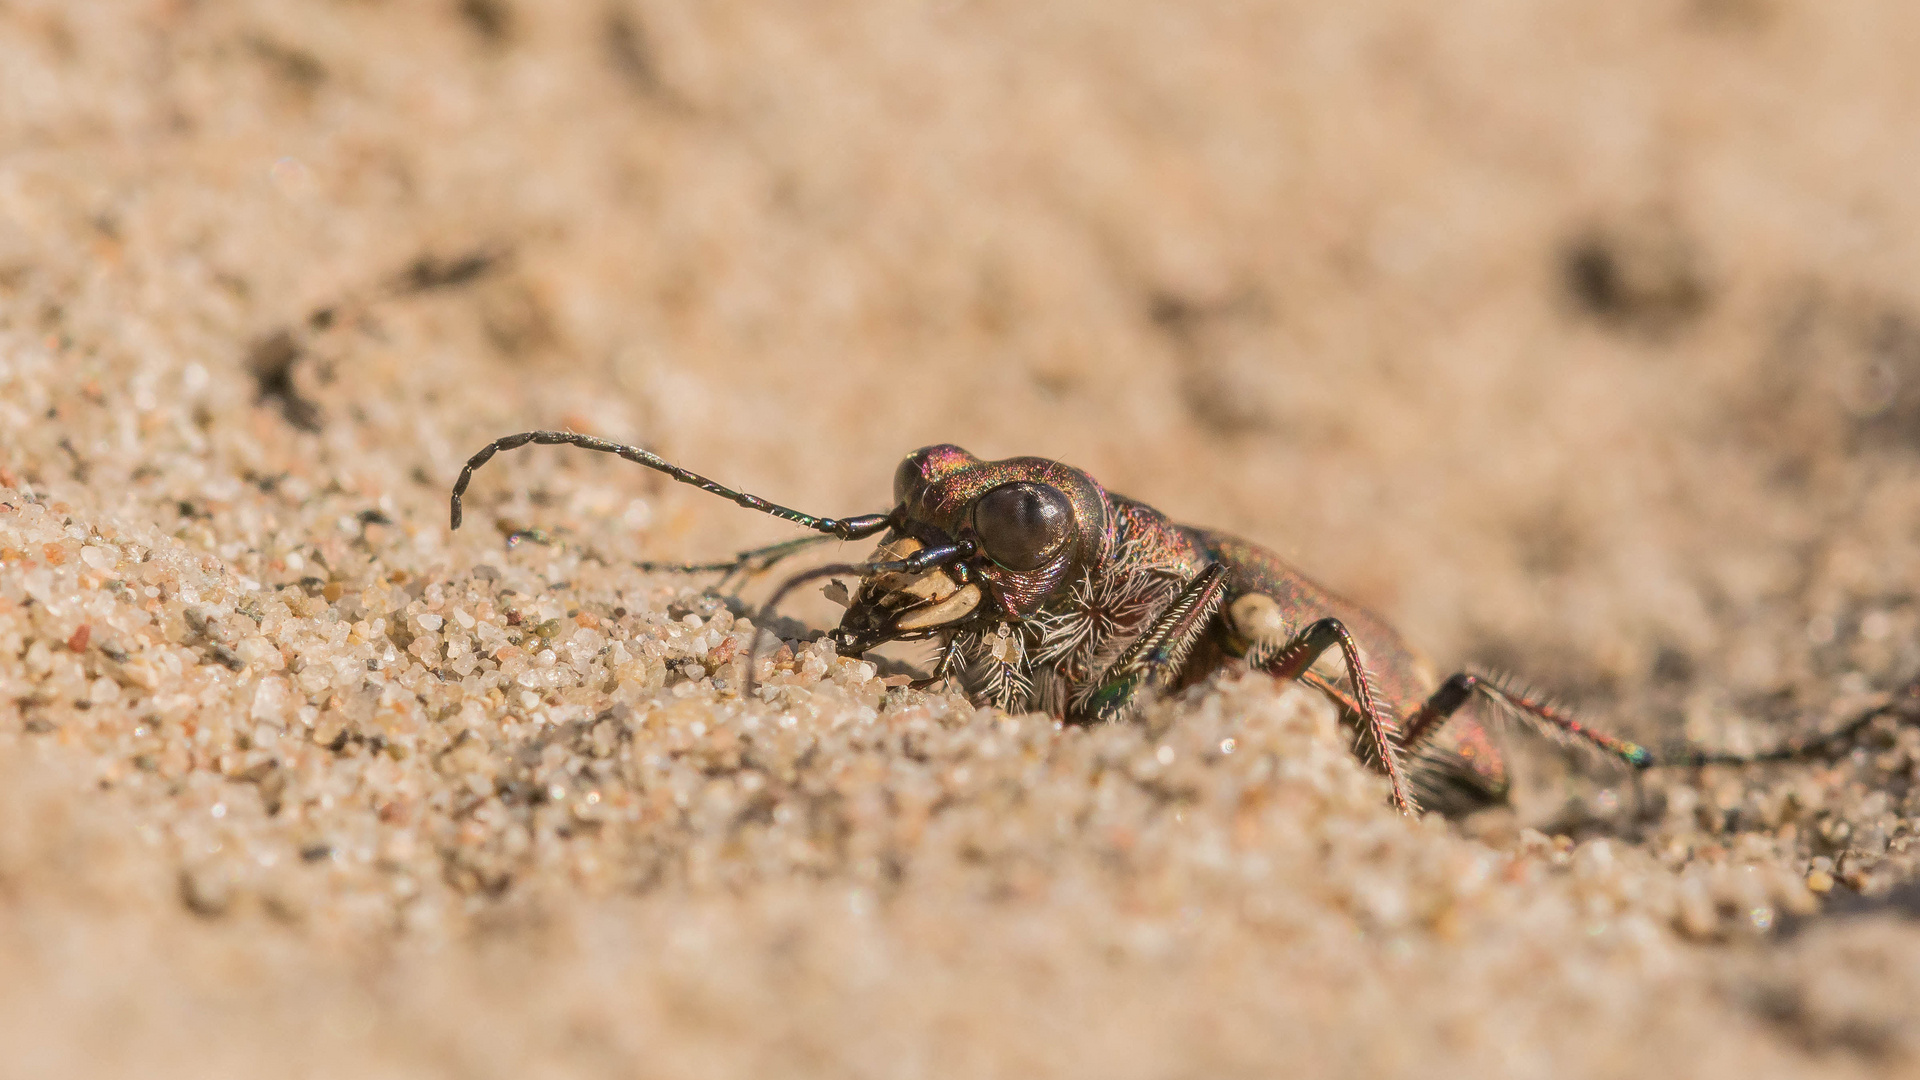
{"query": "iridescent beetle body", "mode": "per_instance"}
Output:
(1115, 598)
(1046, 591)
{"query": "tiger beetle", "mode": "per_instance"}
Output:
(1045, 590)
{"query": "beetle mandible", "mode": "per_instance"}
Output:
(1045, 590)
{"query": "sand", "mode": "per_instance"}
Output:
(1581, 341)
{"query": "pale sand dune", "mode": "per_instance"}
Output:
(1577, 340)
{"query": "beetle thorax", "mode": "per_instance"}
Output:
(1053, 659)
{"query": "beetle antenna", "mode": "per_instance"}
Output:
(852, 528)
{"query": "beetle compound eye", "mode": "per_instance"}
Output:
(906, 479)
(1021, 525)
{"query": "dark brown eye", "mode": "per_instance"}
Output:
(1020, 525)
(906, 479)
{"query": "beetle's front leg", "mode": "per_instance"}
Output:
(746, 564)
(1161, 649)
(1255, 618)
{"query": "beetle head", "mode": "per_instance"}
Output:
(1023, 527)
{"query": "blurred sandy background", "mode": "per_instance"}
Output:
(1582, 340)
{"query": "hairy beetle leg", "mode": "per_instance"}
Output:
(1431, 716)
(1163, 647)
(1905, 704)
(744, 565)
(1377, 737)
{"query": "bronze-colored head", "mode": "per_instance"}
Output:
(981, 541)
(1007, 535)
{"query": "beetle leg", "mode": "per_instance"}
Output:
(1377, 738)
(773, 603)
(1798, 747)
(746, 564)
(1162, 648)
(945, 669)
(1454, 692)
(1427, 721)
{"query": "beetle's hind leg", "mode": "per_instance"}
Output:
(1905, 704)
(1427, 721)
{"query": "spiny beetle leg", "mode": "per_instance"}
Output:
(1428, 720)
(745, 564)
(1376, 733)
(1163, 647)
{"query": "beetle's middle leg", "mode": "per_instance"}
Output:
(1255, 618)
